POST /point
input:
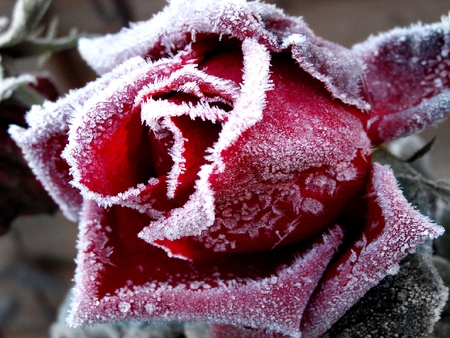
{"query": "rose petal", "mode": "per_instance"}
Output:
(198, 213)
(165, 34)
(407, 72)
(120, 277)
(43, 142)
(394, 229)
(332, 64)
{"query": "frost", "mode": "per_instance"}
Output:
(164, 35)
(198, 212)
(167, 33)
(187, 291)
(311, 205)
(415, 119)
(334, 65)
(406, 303)
(407, 77)
(124, 307)
(349, 279)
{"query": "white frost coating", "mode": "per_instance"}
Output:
(95, 121)
(248, 108)
(335, 66)
(198, 213)
(320, 183)
(50, 121)
(233, 17)
(415, 119)
(189, 80)
(407, 72)
(89, 264)
(311, 205)
(176, 153)
(179, 23)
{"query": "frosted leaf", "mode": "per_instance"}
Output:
(267, 290)
(25, 16)
(9, 84)
(399, 229)
(407, 76)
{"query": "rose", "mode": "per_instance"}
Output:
(21, 193)
(222, 159)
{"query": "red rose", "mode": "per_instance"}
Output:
(21, 193)
(223, 158)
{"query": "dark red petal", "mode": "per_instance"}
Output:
(45, 86)
(407, 78)
(393, 229)
(46, 137)
(120, 277)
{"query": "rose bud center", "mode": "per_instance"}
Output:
(291, 174)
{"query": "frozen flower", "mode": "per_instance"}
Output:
(220, 166)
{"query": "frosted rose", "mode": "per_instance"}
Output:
(223, 157)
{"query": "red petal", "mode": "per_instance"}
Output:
(394, 229)
(407, 79)
(120, 277)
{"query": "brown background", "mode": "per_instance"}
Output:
(49, 242)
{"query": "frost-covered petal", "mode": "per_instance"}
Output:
(107, 133)
(46, 137)
(394, 229)
(165, 34)
(120, 278)
(407, 72)
(332, 64)
(198, 214)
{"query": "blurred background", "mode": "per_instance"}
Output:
(37, 256)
